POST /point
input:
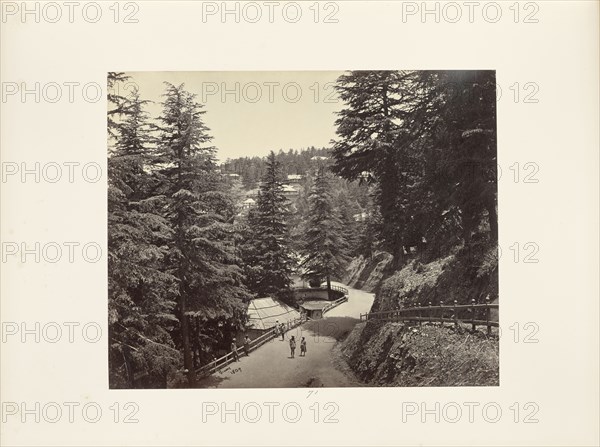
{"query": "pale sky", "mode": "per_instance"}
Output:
(252, 113)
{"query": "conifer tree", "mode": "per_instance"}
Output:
(325, 250)
(267, 253)
(141, 296)
(427, 141)
(368, 129)
(199, 208)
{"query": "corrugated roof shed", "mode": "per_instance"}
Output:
(264, 312)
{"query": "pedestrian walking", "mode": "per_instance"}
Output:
(282, 331)
(277, 328)
(303, 347)
(247, 345)
(292, 345)
(236, 356)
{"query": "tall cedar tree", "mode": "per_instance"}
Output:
(325, 250)
(141, 297)
(428, 142)
(198, 208)
(367, 129)
(118, 105)
(464, 142)
(266, 253)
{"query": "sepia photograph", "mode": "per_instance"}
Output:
(302, 229)
(245, 223)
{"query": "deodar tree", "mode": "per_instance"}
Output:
(368, 129)
(325, 251)
(427, 142)
(141, 295)
(266, 251)
(199, 209)
(175, 290)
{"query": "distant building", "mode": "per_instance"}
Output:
(319, 158)
(314, 309)
(294, 178)
(290, 192)
(248, 203)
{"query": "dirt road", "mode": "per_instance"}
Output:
(271, 366)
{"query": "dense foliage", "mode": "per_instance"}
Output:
(266, 251)
(175, 289)
(325, 248)
(427, 142)
(293, 161)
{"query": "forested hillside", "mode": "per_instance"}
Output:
(293, 161)
(410, 179)
(427, 144)
(185, 257)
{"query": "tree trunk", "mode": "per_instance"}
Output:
(188, 363)
(493, 220)
(398, 256)
(328, 287)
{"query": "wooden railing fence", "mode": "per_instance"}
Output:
(335, 303)
(225, 360)
(473, 314)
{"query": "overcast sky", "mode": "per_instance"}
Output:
(251, 113)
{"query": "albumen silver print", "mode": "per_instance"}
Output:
(302, 229)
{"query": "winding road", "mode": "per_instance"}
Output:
(271, 366)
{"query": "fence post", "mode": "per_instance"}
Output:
(430, 311)
(473, 315)
(455, 314)
(487, 315)
(420, 321)
(441, 313)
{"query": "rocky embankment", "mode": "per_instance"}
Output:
(396, 354)
(367, 273)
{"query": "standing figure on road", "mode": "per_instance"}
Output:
(282, 331)
(277, 328)
(247, 345)
(236, 356)
(303, 347)
(292, 345)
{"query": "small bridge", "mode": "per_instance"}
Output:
(340, 289)
(473, 314)
(319, 293)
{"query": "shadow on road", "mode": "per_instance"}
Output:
(334, 327)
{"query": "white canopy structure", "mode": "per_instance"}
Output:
(264, 312)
